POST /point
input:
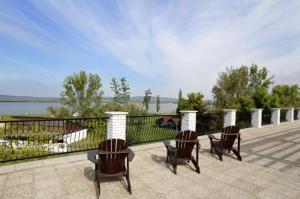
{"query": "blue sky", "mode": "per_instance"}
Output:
(161, 45)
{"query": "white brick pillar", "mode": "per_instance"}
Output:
(256, 116)
(298, 114)
(116, 125)
(188, 120)
(229, 117)
(275, 117)
(290, 115)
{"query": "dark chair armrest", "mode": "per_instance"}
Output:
(187, 141)
(92, 156)
(101, 152)
(212, 137)
(238, 134)
(167, 143)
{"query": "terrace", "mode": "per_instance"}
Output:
(270, 169)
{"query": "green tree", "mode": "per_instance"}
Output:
(181, 102)
(157, 103)
(194, 101)
(147, 99)
(115, 87)
(262, 98)
(242, 88)
(82, 93)
(286, 96)
(180, 94)
(121, 90)
(125, 93)
(58, 111)
(259, 78)
(52, 110)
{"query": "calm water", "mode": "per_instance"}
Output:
(41, 107)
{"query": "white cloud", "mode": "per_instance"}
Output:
(186, 43)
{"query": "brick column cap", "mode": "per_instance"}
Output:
(187, 111)
(116, 113)
(289, 108)
(229, 110)
(256, 109)
(275, 108)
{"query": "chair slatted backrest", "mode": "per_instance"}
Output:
(230, 133)
(112, 163)
(184, 149)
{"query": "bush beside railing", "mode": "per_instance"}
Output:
(23, 139)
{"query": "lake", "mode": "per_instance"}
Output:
(41, 107)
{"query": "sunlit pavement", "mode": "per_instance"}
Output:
(270, 169)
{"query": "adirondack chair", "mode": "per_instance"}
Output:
(228, 137)
(185, 142)
(112, 154)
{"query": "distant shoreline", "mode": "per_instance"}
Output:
(38, 101)
(133, 99)
(57, 101)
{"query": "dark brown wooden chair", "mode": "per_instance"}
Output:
(112, 155)
(185, 143)
(228, 137)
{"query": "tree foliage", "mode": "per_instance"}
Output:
(58, 111)
(121, 90)
(147, 99)
(286, 96)
(242, 88)
(82, 93)
(157, 103)
(194, 101)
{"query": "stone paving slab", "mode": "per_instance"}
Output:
(270, 169)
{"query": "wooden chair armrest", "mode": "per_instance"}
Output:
(231, 134)
(167, 143)
(187, 141)
(212, 137)
(92, 156)
(101, 152)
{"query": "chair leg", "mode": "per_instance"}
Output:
(96, 170)
(196, 165)
(97, 182)
(220, 155)
(128, 183)
(237, 154)
(167, 156)
(175, 168)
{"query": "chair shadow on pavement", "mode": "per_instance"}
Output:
(280, 150)
(162, 161)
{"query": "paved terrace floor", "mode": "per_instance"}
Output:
(270, 169)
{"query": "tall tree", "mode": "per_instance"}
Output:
(82, 93)
(147, 99)
(157, 103)
(121, 90)
(125, 93)
(115, 87)
(259, 78)
(286, 96)
(194, 101)
(241, 88)
(180, 101)
(180, 94)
